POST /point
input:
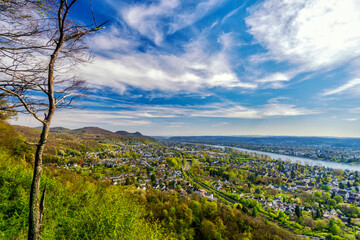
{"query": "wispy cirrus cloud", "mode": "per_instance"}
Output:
(189, 72)
(84, 117)
(144, 115)
(156, 20)
(344, 88)
(217, 110)
(189, 16)
(148, 19)
(233, 12)
(314, 34)
(113, 39)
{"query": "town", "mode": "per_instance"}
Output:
(308, 199)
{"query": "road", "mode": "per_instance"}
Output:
(188, 165)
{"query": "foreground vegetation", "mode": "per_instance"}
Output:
(76, 207)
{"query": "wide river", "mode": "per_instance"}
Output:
(300, 160)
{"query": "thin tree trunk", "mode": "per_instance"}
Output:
(34, 213)
(37, 207)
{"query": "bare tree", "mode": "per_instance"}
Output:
(39, 45)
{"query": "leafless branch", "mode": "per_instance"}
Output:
(26, 106)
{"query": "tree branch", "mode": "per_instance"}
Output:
(61, 99)
(24, 104)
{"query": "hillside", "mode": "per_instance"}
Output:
(59, 129)
(77, 207)
(125, 133)
(71, 145)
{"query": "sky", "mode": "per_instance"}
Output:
(221, 67)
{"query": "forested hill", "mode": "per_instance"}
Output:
(73, 144)
(89, 132)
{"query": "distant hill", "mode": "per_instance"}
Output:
(85, 133)
(125, 133)
(28, 132)
(59, 130)
(93, 130)
(74, 142)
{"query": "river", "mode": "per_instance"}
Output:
(300, 160)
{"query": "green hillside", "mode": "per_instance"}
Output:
(71, 145)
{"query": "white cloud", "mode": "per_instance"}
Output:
(347, 86)
(237, 111)
(155, 21)
(351, 119)
(275, 80)
(147, 19)
(221, 124)
(113, 39)
(77, 118)
(233, 12)
(189, 72)
(274, 77)
(189, 17)
(142, 116)
(223, 110)
(314, 34)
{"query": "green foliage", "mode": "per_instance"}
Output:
(208, 229)
(194, 217)
(12, 143)
(325, 188)
(297, 211)
(332, 202)
(76, 207)
(338, 199)
(175, 163)
(255, 212)
(5, 111)
(333, 228)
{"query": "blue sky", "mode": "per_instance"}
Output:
(222, 67)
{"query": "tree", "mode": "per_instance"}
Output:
(333, 228)
(255, 212)
(309, 222)
(6, 111)
(338, 199)
(332, 202)
(38, 41)
(325, 188)
(318, 213)
(297, 211)
(208, 229)
(153, 178)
